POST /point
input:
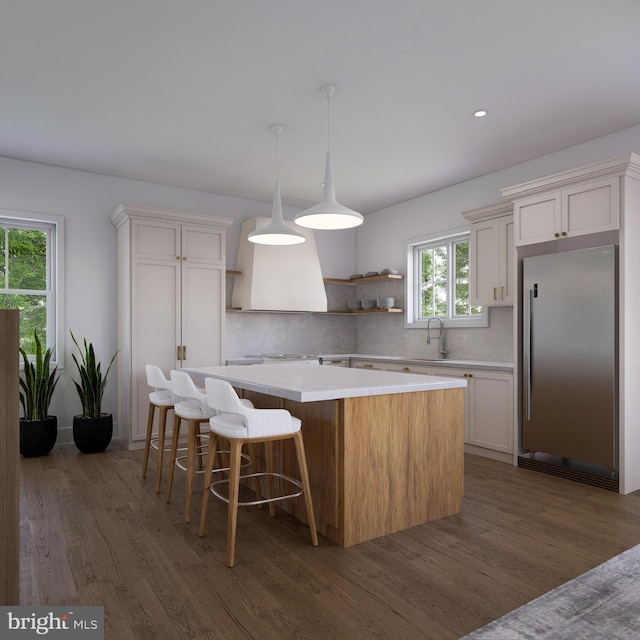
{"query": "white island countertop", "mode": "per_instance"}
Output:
(308, 383)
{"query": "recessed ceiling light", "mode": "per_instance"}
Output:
(480, 113)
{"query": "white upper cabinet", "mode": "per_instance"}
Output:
(491, 255)
(569, 204)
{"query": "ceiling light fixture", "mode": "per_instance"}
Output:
(480, 113)
(328, 214)
(276, 232)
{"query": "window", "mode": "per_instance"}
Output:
(438, 281)
(30, 273)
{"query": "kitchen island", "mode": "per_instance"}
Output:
(384, 449)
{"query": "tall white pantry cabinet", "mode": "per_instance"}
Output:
(171, 301)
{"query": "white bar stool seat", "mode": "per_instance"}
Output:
(240, 424)
(195, 410)
(163, 399)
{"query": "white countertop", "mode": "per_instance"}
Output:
(304, 383)
(408, 360)
(437, 362)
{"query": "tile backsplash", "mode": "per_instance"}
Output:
(376, 334)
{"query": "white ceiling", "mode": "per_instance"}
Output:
(183, 92)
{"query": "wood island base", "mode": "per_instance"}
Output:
(378, 464)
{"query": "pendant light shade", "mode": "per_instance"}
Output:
(276, 232)
(329, 214)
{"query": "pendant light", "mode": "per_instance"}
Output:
(276, 232)
(329, 214)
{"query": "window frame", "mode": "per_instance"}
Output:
(55, 273)
(412, 282)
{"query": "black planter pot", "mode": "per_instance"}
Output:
(93, 435)
(37, 437)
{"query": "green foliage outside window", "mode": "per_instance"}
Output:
(23, 280)
(444, 280)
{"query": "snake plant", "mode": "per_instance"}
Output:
(38, 384)
(92, 380)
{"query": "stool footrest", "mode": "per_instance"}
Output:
(180, 465)
(167, 448)
(283, 476)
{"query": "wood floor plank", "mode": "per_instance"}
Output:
(93, 531)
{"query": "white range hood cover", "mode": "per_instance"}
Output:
(278, 278)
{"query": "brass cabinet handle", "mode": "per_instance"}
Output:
(177, 257)
(564, 233)
(178, 356)
(184, 257)
(556, 235)
(501, 293)
(184, 352)
(406, 369)
(495, 293)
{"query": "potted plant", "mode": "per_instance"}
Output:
(92, 430)
(38, 430)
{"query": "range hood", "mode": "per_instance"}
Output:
(278, 278)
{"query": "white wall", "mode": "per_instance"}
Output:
(86, 200)
(382, 238)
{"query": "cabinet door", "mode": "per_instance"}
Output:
(492, 262)
(202, 245)
(507, 260)
(446, 372)
(537, 219)
(155, 327)
(485, 262)
(491, 424)
(202, 314)
(155, 240)
(591, 207)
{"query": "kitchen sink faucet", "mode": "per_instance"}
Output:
(443, 350)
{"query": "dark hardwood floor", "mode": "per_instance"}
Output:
(94, 532)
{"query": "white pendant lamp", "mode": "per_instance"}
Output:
(276, 232)
(329, 214)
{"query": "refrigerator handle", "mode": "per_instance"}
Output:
(528, 364)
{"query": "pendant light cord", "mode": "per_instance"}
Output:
(277, 129)
(328, 91)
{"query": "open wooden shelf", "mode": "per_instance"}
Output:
(378, 278)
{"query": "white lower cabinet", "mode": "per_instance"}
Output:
(489, 407)
(492, 411)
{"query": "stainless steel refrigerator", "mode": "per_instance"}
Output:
(569, 348)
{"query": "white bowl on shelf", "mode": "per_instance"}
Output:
(355, 305)
(368, 305)
(385, 303)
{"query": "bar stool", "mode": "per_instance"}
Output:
(163, 399)
(194, 408)
(240, 424)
